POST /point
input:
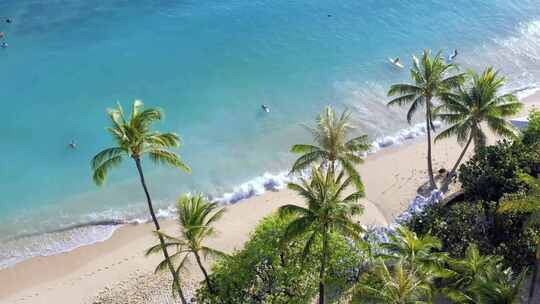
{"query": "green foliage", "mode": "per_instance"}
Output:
(328, 210)
(482, 279)
(462, 224)
(331, 135)
(196, 217)
(476, 103)
(265, 272)
(432, 78)
(395, 284)
(134, 138)
(494, 171)
(531, 135)
(456, 226)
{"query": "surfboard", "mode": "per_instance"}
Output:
(397, 64)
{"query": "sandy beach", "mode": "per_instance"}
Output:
(118, 265)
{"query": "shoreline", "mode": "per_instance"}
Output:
(391, 177)
(74, 236)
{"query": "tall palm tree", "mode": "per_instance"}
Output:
(475, 104)
(432, 79)
(499, 286)
(527, 203)
(328, 210)
(332, 146)
(466, 272)
(196, 216)
(134, 138)
(416, 251)
(397, 284)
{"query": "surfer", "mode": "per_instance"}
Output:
(265, 108)
(454, 55)
(72, 145)
(396, 61)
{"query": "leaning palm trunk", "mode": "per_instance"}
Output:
(205, 273)
(176, 279)
(428, 130)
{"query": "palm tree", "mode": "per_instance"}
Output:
(332, 146)
(499, 286)
(432, 79)
(471, 106)
(466, 272)
(134, 138)
(527, 203)
(417, 252)
(327, 211)
(397, 284)
(196, 215)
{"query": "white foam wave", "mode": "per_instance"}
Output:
(257, 186)
(19, 249)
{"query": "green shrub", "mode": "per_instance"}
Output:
(493, 171)
(262, 272)
(465, 223)
(531, 135)
(456, 226)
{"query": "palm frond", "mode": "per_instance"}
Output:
(100, 173)
(160, 156)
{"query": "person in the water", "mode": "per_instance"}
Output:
(453, 56)
(396, 61)
(265, 108)
(4, 45)
(72, 145)
(8, 20)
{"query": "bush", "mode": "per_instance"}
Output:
(456, 226)
(262, 272)
(493, 171)
(465, 223)
(531, 135)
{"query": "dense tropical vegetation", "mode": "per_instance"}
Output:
(478, 247)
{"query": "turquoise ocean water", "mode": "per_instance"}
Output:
(210, 65)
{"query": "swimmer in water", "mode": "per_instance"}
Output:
(453, 56)
(8, 20)
(4, 45)
(265, 108)
(2, 35)
(72, 145)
